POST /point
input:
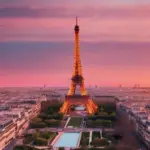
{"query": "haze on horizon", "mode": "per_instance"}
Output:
(36, 42)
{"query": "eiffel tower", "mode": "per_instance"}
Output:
(78, 80)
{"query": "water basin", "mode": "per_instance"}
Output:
(80, 108)
(67, 140)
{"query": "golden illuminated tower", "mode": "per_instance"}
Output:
(77, 78)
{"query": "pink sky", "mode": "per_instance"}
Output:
(36, 42)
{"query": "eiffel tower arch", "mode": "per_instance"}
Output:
(78, 80)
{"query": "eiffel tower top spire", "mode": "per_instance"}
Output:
(76, 21)
(76, 26)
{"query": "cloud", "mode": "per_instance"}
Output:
(32, 12)
(114, 36)
(55, 22)
(123, 11)
(60, 29)
(54, 56)
(38, 63)
(73, 2)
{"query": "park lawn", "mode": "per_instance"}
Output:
(48, 135)
(75, 121)
(49, 117)
(44, 137)
(40, 138)
(98, 123)
(85, 139)
(95, 135)
(24, 147)
(97, 141)
(28, 138)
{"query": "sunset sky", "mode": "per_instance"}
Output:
(37, 42)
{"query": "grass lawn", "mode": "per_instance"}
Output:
(95, 135)
(39, 138)
(75, 121)
(84, 139)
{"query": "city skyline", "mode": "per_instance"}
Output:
(37, 42)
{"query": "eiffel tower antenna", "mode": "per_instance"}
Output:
(76, 20)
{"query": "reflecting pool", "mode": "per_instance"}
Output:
(67, 140)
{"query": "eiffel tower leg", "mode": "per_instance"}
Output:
(72, 89)
(82, 89)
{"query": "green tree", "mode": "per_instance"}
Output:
(61, 148)
(37, 125)
(99, 142)
(40, 142)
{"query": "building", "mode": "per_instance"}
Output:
(141, 118)
(143, 129)
(14, 121)
(7, 132)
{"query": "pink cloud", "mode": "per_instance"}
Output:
(62, 29)
(98, 23)
(102, 77)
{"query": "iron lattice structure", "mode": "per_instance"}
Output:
(77, 79)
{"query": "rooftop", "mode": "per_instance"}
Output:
(4, 120)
